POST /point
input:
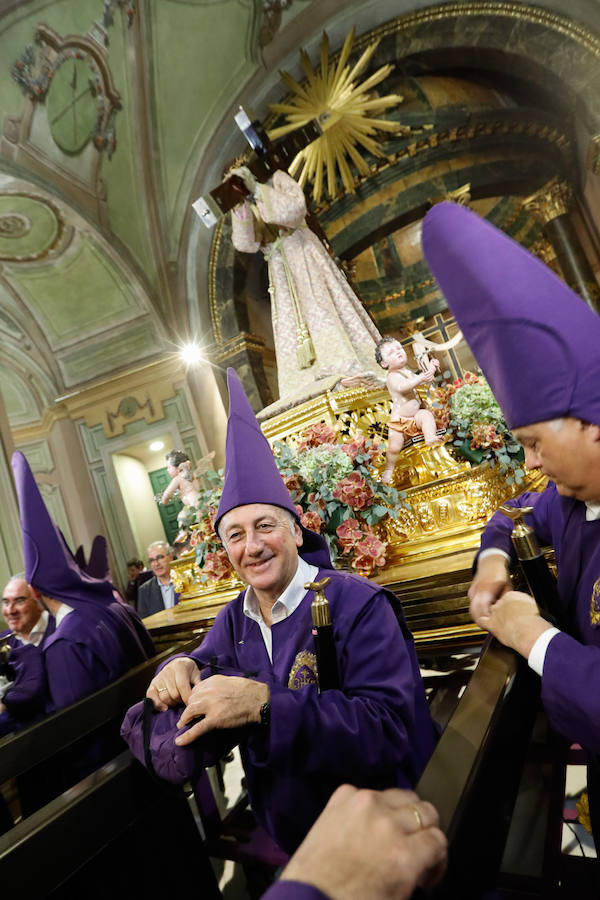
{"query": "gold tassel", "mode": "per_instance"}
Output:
(305, 352)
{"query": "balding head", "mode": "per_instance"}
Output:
(20, 606)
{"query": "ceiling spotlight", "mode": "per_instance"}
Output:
(191, 354)
(157, 445)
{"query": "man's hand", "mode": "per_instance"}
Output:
(375, 844)
(222, 701)
(516, 621)
(492, 580)
(174, 683)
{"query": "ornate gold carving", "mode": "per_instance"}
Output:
(186, 575)
(593, 160)
(243, 341)
(461, 195)
(552, 200)
(213, 261)
(470, 131)
(544, 250)
(533, 15)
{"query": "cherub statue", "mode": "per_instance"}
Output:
(183, 479)
(409, 418)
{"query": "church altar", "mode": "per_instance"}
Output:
(431, 543)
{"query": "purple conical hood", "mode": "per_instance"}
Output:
(251, 473)
(535, 340)
(98, 566)
(49, 564)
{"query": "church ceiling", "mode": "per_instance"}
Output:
(116, 115)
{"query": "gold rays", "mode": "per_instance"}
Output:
(346, 111)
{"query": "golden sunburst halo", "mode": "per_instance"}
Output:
(346, 111)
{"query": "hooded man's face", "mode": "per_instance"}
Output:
(262, 546)
(20, 607)
(568, 452)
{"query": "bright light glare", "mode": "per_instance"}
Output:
(191, 354)
(157, 445)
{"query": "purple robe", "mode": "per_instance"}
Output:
(90, 650)
(572, 663)
(27, 697)
(376, 733)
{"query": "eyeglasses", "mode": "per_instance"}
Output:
(155, 559)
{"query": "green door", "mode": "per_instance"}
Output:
(160, 479)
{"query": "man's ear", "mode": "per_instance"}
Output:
(594, 432)
(298, 535)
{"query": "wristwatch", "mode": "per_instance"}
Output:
(265, 714)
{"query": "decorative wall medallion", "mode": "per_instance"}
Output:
(30, 227)
(13, 225)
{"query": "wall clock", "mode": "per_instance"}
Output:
(72, 105)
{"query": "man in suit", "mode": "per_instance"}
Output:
(159, 592)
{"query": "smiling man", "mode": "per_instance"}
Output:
(253, 680)
(538, 345)
(24, 690)
(159, 592)
(27, 620)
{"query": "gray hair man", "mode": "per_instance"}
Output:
(159, 592)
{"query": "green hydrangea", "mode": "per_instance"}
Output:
(324, 466)
(475, 403)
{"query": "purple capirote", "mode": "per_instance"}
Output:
(535, 340)
(251, 473)
(50, 567)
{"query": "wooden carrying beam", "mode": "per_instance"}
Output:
(117, 833)
(473, 775)
(22, 751)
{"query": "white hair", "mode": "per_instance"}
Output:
(167, 547)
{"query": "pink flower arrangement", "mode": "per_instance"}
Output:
(354, 491)
(315, 435)
(217, 566)
(335, 487)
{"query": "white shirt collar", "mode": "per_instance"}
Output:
(284, 606)
(288, 601)
(63, 611)
(37, 632)
(592, 511)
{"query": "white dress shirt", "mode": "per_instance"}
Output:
(284, 606)
(537, 654)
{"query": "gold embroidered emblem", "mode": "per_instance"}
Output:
(303, 671)
(595, 604)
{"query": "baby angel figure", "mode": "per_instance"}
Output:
(183, 478)
(409, 418)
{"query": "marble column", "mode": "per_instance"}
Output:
(550, 205)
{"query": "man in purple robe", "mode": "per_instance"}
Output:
(538, 345)
(96, 638)
(253, 680)
(24, 685)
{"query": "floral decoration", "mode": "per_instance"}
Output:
(334, 484)
(475, 425)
